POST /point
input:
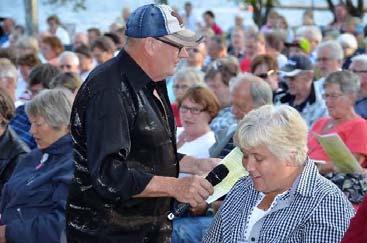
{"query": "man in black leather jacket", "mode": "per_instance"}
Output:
(125, 140)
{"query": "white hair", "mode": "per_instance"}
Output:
(280, 128)
(348, 40)
(309, 30)
(7, 69)
(335, 49)
(362, 58)
(69, 54)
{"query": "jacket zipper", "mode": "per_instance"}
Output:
(20, 214)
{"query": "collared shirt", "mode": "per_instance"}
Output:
(313, 210)
(310, 109)
(223, 120)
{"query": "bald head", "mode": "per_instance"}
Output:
(80, 38)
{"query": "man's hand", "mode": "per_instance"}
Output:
(193, 190)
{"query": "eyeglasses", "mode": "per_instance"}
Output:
(179, 47)
(265, 75)
(331, 96)
(358, 71)
(194, 50)
(193, 110)
(323, 59)
(183, 86)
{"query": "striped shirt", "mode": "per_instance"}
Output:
(313, 210)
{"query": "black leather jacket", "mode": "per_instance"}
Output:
(122, 136)
(12, 150)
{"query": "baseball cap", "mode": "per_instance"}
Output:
(159, 20)
(295, 65)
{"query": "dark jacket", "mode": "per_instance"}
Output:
(34, 198)
(123, 136)
(12, 150)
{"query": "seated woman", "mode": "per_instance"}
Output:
(33, 201)
(198, 106)
(341, 90)
(182, 81)
(12, 148)
(284, 198)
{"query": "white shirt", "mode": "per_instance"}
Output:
(198, 147)
(63, 35)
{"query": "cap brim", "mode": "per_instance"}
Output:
(185, 38)
(292, 73)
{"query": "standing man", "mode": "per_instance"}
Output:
(124, 139)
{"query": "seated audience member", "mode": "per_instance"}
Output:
(86, 63)
(93, 34)
(349, 44)
(237, 45)
(12, 149)
(357, 233)
(69, 62)
(39, 79)
(198, 106)
(254, 45)
(341, 90)
(103, 49)
(314, 36)
(302, 94)
(359, 67)
(196, 57)
(51, 48)
(266, 67)
(217, 78)
(217, 49)
(274, 45)
(80, 39)
(33, 202)
(247, 93)
(8, 77)
(182, 81)
(70, 81)
(284, 198)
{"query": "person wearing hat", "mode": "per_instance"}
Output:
(124, 139)
(301, 94)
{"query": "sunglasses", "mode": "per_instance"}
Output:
(265, 75)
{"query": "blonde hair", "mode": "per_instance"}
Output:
(280, 128)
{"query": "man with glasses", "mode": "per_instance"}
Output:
(329, 59)
(302, 94)
(124, 138)
(359, 67)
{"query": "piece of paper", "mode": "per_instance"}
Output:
(233, 161)
(339, 153)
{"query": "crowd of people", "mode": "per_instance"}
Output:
(269, 90)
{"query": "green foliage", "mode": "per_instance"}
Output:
(77, 4)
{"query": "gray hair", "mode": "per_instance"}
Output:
(69, 54)
(335, 49)
(28, 42)
(362, 58)
(53, 105)
(348, 40)
(260, 91)
(309, 30)
(7, 69)
(348, 81)
(192, 75)
(280, 128)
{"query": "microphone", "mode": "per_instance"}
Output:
(214, 177)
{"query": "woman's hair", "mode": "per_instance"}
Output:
(28, 59)
(43, 74)
(203, 96)
(192, 75)
(280, 128)
(7, 108)
(104, 43)
(68, 80)
(53, 105)
(28, 42)
(348, 81)
(54, 43)
(227, 67)
(266, 59)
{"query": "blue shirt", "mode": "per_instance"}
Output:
(21, 125)
(361, 107)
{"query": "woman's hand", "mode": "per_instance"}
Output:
(2, 234)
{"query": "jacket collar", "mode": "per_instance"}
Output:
(62, 146)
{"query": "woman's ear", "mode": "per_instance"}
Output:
(291, 159)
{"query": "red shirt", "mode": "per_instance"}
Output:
(176, 114)
(217, 30)
(352, 132)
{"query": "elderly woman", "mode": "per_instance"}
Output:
(12, 148)
(197, 108)
(341, 91)
(183, 80)
(33, 202)
(284, 198)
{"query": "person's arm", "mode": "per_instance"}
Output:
(195, 166)
(215, 232)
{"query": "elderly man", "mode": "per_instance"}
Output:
(359, 67)
(124, 138)
(302, 94)
(69, 62)
(329, 59)
(248, 92)
(79, 39)
(313, 35)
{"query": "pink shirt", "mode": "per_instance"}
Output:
(352, 132)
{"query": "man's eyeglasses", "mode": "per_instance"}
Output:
(323, 59)
(193, 110)
(331, 96)
(265, 75)
(177, 86)
(179, 47)
(358, 71)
